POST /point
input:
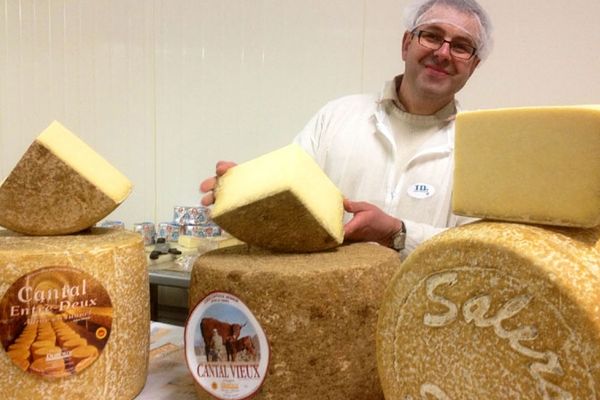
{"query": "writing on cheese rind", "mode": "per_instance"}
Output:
(475, 310)
(494, 310)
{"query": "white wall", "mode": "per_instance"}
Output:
(165, 88)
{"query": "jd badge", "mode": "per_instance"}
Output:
(421, 190)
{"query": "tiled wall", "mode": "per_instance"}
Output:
(165, 88)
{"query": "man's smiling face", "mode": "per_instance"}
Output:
(436, 74)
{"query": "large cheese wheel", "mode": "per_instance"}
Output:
(494, 311)
(115, 260)
(60, 186)
(280, 201)
(318, 312)
(529, 164)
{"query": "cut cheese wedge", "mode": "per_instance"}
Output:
(280, 201)
(494, 311)
(539, 165)
(60, 186)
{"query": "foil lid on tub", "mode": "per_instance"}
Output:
(169, 230)
(112, 224)
(202, 230)
(147, 230)
(195, 215)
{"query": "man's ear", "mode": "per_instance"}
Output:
(406, 39)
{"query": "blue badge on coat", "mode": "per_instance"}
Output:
(421, 190)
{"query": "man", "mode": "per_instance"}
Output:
(391, 155)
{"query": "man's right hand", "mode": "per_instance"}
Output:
(208, 185)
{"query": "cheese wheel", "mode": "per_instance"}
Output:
(64, 336)
(115, 261)
(41, 343)
(530, 164)
(494, 311)
(280, 201)
(18, 354)
(46, 338)
(60, 186)
(19, 346)
(23, 364)
(48, 368)
(318, 312)
(83, 352)
(25, 339)
(45, 351)
(74, 343)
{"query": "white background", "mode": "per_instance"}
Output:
(165, 88)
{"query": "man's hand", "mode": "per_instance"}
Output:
(208, 185)
(369, 224)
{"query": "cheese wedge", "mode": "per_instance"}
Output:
(60, 186)
(539, 165)
(280, 201)
(494, 311)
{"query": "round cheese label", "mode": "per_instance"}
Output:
(226, 349)
(55, 321)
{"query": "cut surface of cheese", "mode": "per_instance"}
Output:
(60, 186)
(70, 275)
(494, 311)
(280, 201)
(318, 311)
(537, 164)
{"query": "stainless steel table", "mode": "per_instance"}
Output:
(165, 274)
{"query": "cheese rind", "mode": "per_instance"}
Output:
(280, 201)
(318, 311)
(538, 165)
(60, 186)
(116, 259)
(494, 311)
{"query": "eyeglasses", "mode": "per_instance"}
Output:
(433, 41)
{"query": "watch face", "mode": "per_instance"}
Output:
(399, 240)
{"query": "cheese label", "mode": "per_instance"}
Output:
(55, 321)
(226, 349)
(421, 190)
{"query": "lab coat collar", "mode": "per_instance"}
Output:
(389, 98)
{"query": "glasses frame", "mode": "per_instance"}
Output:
(419, 32)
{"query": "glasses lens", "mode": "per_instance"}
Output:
(434, 41)
(462, 50)
(430, 40)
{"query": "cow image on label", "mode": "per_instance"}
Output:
(218, 335)
(226, 348)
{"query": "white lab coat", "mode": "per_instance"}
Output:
(351, 139)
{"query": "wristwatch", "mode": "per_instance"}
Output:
(399, 239)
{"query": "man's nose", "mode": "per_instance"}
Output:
(443, 51)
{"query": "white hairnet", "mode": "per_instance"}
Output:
(415, 12)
